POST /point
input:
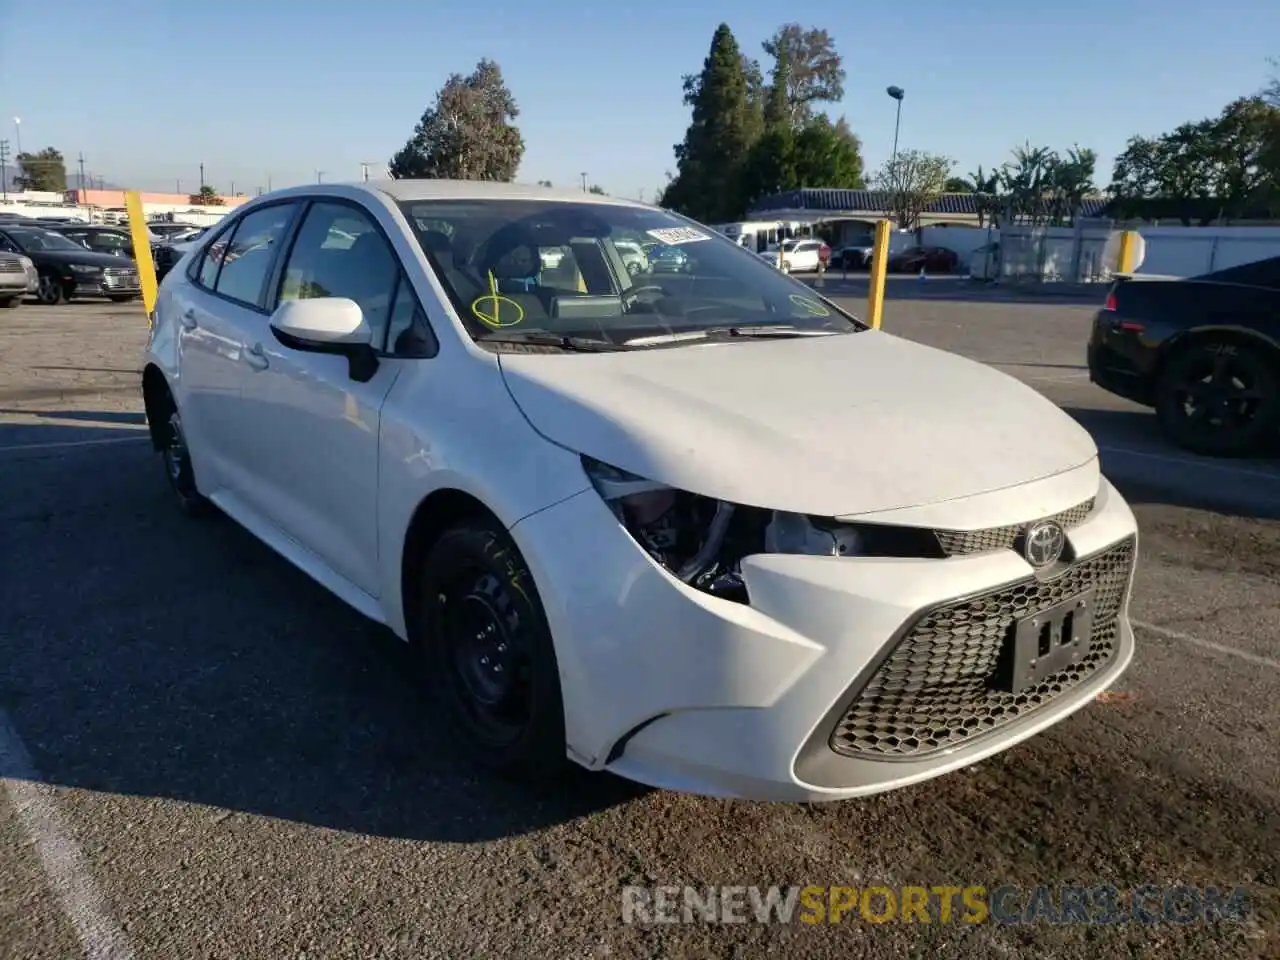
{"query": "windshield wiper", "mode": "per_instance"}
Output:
(744, 330)
(564, 342)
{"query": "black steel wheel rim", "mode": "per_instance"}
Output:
(177, 462)
(1218, 394)
(480, 630)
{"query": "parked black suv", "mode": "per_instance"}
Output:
(66, 269)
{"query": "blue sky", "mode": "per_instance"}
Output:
(148, 90)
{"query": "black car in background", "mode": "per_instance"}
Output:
(66, 269)
(1203, 351)
(113, 240)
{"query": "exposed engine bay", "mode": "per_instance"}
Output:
(703, 541)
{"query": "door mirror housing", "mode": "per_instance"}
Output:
(328, 325)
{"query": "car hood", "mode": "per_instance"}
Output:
(830, 426)
(85, 257)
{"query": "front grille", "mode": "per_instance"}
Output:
(957, 543)
(120, 278)
(936, 688)
(12, 266)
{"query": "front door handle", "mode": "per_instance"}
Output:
(255, 357)
(189, 320)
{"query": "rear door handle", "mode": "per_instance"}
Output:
(255, 357)
(189, 320)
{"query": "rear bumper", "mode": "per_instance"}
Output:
(1119, 363)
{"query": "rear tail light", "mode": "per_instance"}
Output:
(1110, 303)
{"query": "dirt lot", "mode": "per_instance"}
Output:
(212, 757)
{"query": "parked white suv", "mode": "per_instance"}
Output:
(702, 529)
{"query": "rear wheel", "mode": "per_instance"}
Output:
(1220, 399)
(488, 653)
(123, 299)
(11, 303)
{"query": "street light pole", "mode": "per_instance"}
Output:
(17, 134)
(897, 93)
(584, 182)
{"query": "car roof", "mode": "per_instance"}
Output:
(410, 190)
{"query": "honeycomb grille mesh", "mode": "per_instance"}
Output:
(935, 690)
(957, 543)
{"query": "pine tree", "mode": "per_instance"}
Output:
(711, 160)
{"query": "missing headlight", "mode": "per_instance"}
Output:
(703, 541)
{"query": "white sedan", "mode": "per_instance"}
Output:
(702, 529)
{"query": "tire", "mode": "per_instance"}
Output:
(11, 303)
(1220, 398)
(51, 291)
(123, 299)
(487, 652)
(177, 461)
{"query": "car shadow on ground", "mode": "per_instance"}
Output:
(151, 655)
(1148, 469)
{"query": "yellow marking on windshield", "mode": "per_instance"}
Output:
(493, 317)
(812, 307)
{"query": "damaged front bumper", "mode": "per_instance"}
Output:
(833, 676)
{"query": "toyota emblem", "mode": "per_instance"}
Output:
(1044, 543)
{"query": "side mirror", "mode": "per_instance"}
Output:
(328, 325)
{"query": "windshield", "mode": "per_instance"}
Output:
(31, 240)
(605, 271)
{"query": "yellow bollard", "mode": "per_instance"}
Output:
(1128, 251)
(142, 250)
(879, 268)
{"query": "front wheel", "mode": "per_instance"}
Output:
(11, 303)
(1220, 399)
(51, 292)
(123, 299)
(177, 464)
(488, 652)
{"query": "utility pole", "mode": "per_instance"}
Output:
(83, 188)
(202, 178)
(177, 186)
(319, 176)
(584, 181)
(4, 169)
(268, 183)
(233, 188)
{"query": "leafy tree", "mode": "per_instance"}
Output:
(1243, 146)
(468, 133)
(46, 170)
(207, 197)
(913, 180)
(596, 188)
(959, 185)
(827, 154)
(1226, 165)
(544, 183)
(1271, 92)
(710, 161)
(814, 70)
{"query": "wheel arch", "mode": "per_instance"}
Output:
(1196, 336)
(155, 395)
(436, 513)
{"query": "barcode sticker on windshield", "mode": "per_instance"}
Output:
(675, 235)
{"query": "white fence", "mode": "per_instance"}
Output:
(1089, 251)
(1191, 251)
